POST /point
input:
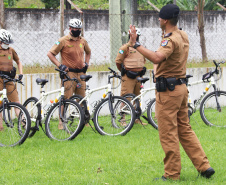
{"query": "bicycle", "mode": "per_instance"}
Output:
(137, 102)
(212, 105)
(111, 115)
(67, 112)
(15, 127)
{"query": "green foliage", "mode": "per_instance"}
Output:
(92, 4)
(143, 5)
(10, 3)
(51, 4)
(193, 4)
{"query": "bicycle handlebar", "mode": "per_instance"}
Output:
(11, 79)
(68, 78)
(217, 66)
(114, 73)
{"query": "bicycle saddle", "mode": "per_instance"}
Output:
(41, 81)
(142, 80)
(85, 77)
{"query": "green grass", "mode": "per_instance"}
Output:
(90, 158)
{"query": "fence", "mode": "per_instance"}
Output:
(32, 89)
(36, 30)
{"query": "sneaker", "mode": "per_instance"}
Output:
(208, 173)
(123, 122)
(60, 126)
(1, 129)
(138, 121)
(160, 178)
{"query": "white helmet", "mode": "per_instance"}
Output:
(137, 31)
(75, 23)
(5, 36)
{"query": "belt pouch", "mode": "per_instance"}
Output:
(13, 73)
(161, 84)
(171, 82)
(131, 74)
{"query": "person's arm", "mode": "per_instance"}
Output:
(119, 66)
(87, 57)
(53, 59)
(20, 67)
(155, 57)
(56, 62)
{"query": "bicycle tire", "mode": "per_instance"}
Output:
(16, 132)
(208, 109)
(136, 104)
(151, 114)
(78, 98)
(73, 121)
(28, 104)
(105, 124)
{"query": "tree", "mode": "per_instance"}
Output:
(201, 29)
(10, 3)
(51, 4)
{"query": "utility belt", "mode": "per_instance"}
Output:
(11, 73)
(83, 70)
(132, 74)
(170, 83)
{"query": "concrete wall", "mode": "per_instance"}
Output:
(100, 79)
(36, 30)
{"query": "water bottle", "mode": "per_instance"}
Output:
(57, 98)
(48, 105)
(105, 94)
(1, 98)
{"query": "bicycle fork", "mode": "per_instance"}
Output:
(217, 94)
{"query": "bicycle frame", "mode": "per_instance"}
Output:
(143, 92)
(198, 101)
(43, 97)
(89, 92)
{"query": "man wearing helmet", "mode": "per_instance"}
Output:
(172, 95)
(131, 64)
(72, 48)
(7, 55)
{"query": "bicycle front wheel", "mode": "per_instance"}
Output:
(69, 126)
(213, 109)
(33, 110)
(122, 120)
(15, 126)
(151, 114)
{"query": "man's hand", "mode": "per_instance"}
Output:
(132, 34)
(20, 77)
(63, 67)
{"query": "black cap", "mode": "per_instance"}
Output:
(169, 11)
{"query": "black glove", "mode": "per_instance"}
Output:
(62, 67)
(20, 77)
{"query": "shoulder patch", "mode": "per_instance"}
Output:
(57, 42)
(168, 34)
(164, 42)
(121, 51)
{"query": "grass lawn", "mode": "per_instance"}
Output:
(90, 158)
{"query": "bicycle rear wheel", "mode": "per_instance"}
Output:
(136, 104)
(15, 129)
(72, 123)
(119, 124)
(211, 113)
(34, 112)
(151, 114)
